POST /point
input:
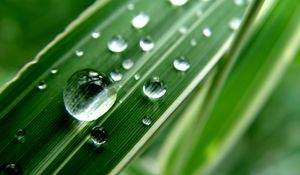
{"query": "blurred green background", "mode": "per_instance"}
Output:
(272, 144)
(27, 26)
(270, 147)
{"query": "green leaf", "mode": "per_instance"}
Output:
(261, 63)
(273, 135)
(57, 143)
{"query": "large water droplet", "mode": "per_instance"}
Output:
(154, 89)
(98, 136)
(127, 64)
(116, 75)
(11, 169)
(95, 35)
(207, 32)
(79, 53)
(88, 95)
(178, 2)
(181, 64)
(146, 44)
(235, 23)
(117, 44)
(20, 135)
(42, 85)
(140, 20)
(147, 121)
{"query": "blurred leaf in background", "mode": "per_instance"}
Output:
(271, 145)
(27, 26)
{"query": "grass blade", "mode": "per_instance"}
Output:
(58, 144)
(246, 90)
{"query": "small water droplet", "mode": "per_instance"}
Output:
(140, 20)
(88, 95)
(20, 135)
(239, 2)
(98, 136)
(181, 64)
(130, 6)
(137, 76)
(79, 53)
(146, 44)
(127, 64)
(116, 75)
(154, 89)
(193, 42)
(54, 71)
(199, 13)
(207, 32)
(95, 35)
(178, 2)
(42, 85)
(235, 23)
(147, 121)
(182, 30)
(117, 44)
(11, 169)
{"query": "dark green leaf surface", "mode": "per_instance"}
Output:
(54, 141)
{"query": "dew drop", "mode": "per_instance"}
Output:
(182, 30)
(193, 42)
(88, 95)
(140, 20)
(130, 6)
(178, 2)
(207, 32)
(42, 85)
(234, 23)
(116, 75)
(53, 71)
(146, 44)
(127, 64)
(79, 53)
(238, 2)
(199, 13)
(11, 169)
(95, 35)
(20, 135)
(137, 76)
(98, 136)
(181, 64)
(147, 121)
(154, 89)
(117, 44)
